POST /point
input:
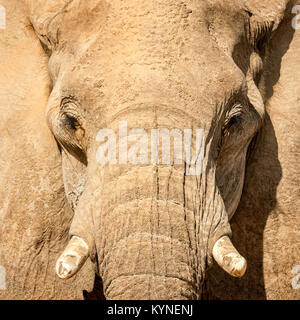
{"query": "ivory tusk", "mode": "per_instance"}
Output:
(228, 257)
(73, 258)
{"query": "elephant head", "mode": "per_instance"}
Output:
(151, 227)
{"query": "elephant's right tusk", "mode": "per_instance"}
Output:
(73, 258)
(228, 257)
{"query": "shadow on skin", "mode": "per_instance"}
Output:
(97, 293)
(258, 200)
(263, 175)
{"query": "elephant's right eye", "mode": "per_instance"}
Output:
(69, 116)
(68, 128)
(71, 122)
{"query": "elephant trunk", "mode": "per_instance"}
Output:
(154, 242)
(149, 266)
(147, 246)
(154, 229)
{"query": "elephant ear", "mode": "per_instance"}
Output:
(265, 12)
(42, 13)
(267, 223)
(34, 216)
(281, 87)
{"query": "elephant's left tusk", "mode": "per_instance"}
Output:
(228, 257)
(73, 258)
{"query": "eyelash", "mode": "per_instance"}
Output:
(71, 122)
(71, 133)
(68, 111)
(233, 118)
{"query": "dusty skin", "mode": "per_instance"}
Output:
(71, 228)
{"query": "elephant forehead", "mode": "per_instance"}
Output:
(195, 87)
(157, 52)
(163, 24)
(83, 21)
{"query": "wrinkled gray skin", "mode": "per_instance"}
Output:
(150, 229)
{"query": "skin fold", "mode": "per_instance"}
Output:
(149, 231)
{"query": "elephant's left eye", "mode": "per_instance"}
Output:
(233, 119)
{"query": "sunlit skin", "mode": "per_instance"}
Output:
(149, 229)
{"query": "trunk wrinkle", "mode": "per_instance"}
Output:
(146, 235)
(114, 208)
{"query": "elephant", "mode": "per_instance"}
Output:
(217, 220)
